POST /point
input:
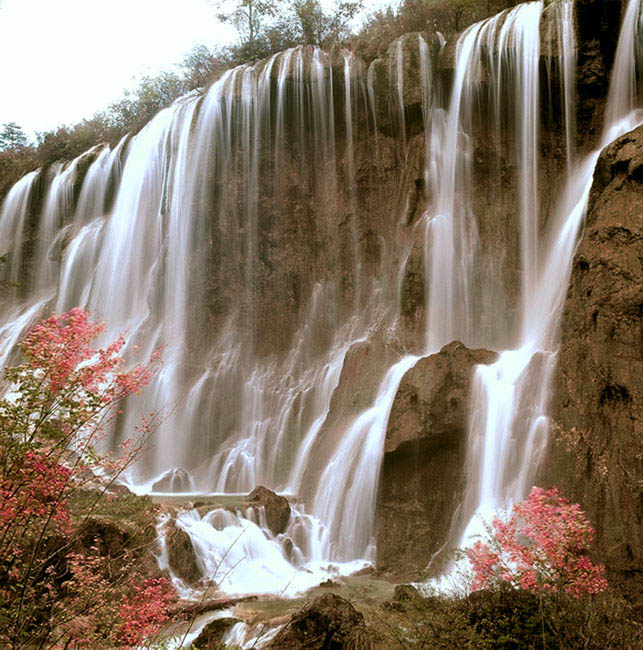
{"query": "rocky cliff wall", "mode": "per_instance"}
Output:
(597, 453)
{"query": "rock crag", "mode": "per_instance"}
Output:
(597, 453)
(424, 455)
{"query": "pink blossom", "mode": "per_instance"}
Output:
(543, 546)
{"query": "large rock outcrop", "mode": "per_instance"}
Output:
(423, 471)
(181, 555)
(597, 453)
(327, 623)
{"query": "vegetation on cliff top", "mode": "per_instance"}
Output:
(264, 27)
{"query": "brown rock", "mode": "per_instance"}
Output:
(405, 593)
(212, 633)
(422, 476)
(112, 538)
(597, 453)
(327, 623)
(181, 555)
(174, 480)
(329, 584)
(277, 508)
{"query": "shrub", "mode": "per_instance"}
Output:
(54, 591)
(542, 547)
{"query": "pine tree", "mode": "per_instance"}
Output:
(12, 136)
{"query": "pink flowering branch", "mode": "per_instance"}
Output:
(61, 401)
(543, 547)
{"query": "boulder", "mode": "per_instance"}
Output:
(181, 555)
(211, 635)
(424, 453)
(327, 623)
(597, 442)
(112, 538)
(403, 593)
(276, 507)
(176, 479)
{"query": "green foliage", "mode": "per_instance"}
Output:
(324, 28)
(509, 619)
(445, 16)
(12, 136)
(152, 94)
(201, 65)
(267, 27)
(249, 17)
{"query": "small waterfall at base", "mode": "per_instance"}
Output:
(250, 231)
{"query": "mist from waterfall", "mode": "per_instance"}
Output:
(176, 237)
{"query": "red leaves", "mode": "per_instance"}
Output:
(144, 612)
(61, 399)
(60, 348)
(33, 492)
(542, 547)
(98, 613)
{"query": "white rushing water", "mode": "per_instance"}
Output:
(508, 423)
(179, 236)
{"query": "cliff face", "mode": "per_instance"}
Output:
(424, 458)
(314, 216)
(597, 441)
(598, 24)
(597, 455)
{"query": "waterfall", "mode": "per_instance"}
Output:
(624, 89)
(238, 232)
(349, 473)
(12, 227)
(508, 424)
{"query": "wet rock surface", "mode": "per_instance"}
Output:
(212, 633)
(276, 507)
(327, 623)
(598, 23)
(597, 451)
(181, 555)
(174, 480)
(423, 470)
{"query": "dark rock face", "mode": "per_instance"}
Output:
(598, 23)
(277, 508)
(181, 555)
(597, 454)
(423, 470)
(212, 633)
(327, 623)
(111, 538)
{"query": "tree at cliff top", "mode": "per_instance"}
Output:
(315, 26)
(12, 137)
(58, 589)
(249, 17)
(269, 26)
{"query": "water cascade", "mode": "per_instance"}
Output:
(260, 233)
(12, 228)
(508, 422)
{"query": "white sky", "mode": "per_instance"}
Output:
(63, 60)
